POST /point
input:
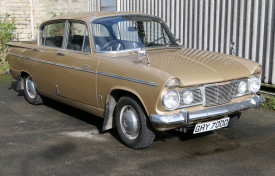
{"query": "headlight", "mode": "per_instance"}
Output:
(254, 84)
(170, 100)
(187, 97)
(242, 87)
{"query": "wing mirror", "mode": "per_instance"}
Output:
(143, 54)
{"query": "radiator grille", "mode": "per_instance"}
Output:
(216, 94)
(213, 94)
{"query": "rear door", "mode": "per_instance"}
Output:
(45, 55)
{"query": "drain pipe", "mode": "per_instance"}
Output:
(31, 16)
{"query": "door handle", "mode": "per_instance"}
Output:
(35, 49)
(60, 53)
(86, 66)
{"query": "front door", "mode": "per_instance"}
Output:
(76, 76)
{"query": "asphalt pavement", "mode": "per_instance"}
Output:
(55, 140)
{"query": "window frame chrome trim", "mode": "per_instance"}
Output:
(40, 32)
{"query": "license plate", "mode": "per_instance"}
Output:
(212, 125)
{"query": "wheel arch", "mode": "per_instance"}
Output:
(20, 84)
(111, 103)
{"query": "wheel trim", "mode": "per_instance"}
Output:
(129, 122)
(30, 87)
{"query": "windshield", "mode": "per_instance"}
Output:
(130, 32)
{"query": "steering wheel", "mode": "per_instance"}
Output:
(114, 45)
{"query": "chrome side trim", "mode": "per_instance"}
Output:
(53, 63)
(128, 78)
(88, 70)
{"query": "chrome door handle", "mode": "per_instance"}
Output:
(86, 66)
(35, 49)
(60, 53)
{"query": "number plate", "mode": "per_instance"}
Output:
(212, 125)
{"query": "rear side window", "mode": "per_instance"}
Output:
(78, 38)
(52, 34)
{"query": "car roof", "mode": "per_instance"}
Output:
(88, 16)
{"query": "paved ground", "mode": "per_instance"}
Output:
(55, 139)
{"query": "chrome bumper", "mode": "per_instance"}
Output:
(188, 117)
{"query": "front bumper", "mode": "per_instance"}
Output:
(185, 118)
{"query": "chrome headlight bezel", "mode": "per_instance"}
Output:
(242, 87)
(196, 97)
(164, 100)
(187, 97)
(254, 84)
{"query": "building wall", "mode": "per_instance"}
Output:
(214, 24)
(41, 11)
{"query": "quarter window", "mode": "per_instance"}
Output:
(52, 34)
(78, 38)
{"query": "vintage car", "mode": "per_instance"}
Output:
(129, 69)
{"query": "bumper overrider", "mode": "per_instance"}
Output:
(187, 118)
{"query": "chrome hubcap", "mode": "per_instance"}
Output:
(129, 122)
(30, 87)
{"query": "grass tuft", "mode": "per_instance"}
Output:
(4, 66)
(269, 104)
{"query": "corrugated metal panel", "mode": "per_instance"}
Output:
(94, 5)
(214, 24)
(103, 5)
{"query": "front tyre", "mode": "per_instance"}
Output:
(133, 126)
(30, 91)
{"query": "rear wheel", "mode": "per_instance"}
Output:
(133, 126)
(30, 91)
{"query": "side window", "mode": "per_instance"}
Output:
(52, 34)
(100, 31)
(78, 38)
(101, 36)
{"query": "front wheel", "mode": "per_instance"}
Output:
(30, 91)
(133, 126)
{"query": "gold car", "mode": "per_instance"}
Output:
(129, 69)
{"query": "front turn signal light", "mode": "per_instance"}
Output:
(258, 70)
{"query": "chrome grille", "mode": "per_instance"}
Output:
(213, 94)
(219, 93)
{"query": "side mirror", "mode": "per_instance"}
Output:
(143, 54)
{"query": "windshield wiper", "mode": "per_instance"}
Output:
(153, 41)
(174, 42)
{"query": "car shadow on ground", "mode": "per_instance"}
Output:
(68, 110)
(98, 122)
(13, 87)
(162, 136)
